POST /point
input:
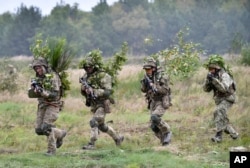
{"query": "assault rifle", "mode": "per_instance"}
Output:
(148, 83)
(36, 85)
(87, 86)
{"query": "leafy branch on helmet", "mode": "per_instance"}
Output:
(58, 55)
(181, 60)
(112, 66)
(218, 60)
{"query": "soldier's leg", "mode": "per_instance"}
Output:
(100, 118)
(156, 119)
(93, 134)
(230, 130)
(228, 127)
(156, 131)
(39, 120)
(220, 119)
(55, 135)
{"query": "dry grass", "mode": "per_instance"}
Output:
(190, 117)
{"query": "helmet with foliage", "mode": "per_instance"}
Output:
(149, 63)
(40, 61)
(93, 58)
(215, 61)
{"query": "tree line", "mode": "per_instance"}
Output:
(148, 26)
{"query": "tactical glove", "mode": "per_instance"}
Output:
(210, 76)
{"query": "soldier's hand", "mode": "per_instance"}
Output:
(83, 88)
(89, 90)
(210, 76)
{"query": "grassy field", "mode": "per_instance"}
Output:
(190, 119)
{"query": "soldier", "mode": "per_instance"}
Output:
(223, 86)
(46, 88)
(156, 86)
(97, 89)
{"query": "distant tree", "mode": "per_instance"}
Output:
(132, 27)
(63, 22)
(6, 21)
(101, 8)
(23, 29)
(129, 5)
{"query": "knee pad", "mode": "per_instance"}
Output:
(39, 131)
(93, 123)
(46, 128)
(155, 119)
(103, 127)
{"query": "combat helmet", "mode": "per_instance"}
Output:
(93, 58)
(40, 61)
(149, 63)
(215, 61)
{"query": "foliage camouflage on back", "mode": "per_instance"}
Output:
(181, 60)
(112, 66)
(58, 55)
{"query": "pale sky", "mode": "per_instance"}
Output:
(47, 5)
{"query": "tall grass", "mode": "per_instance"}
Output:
(190, 119)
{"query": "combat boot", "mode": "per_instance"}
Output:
(218, 137)
(50, 153)
(234, 136)
(230, 130)
(119, 140)
(166, 139)
(59, 141)
(89, 146)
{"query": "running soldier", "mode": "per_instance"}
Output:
(46, 88)
(96, 87)
(223, 86)
(156, 86)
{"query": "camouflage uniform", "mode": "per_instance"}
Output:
(49, 105)
(158, 98)
(223, 87)
(99, 101)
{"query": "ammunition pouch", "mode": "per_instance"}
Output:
(107, 106)
(166, 101)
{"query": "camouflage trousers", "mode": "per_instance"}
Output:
(48, 114)
(99, 117)
(156, 108)
(221, 119)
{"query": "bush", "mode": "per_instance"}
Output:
(245, 54)
(8, 77)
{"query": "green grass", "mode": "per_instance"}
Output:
(105, 157)
(190, 119)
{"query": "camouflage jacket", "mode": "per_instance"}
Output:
(51, 89)
(160, 86)
(222, 85)
(101, 83)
